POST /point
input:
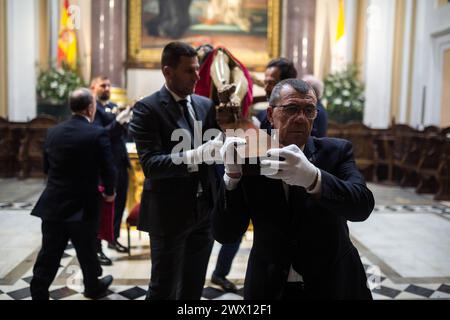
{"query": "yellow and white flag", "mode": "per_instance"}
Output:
(339, 51)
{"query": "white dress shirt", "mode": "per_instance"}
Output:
(197, 129)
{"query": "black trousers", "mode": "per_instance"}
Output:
(179, 262)
(121, 196)
(294, 291)
(55, 236)
(225, 258)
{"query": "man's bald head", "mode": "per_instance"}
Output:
(81, 103)
(80, 99)
(315, 83)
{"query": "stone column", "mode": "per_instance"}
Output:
(379, 62)
(108, 40)
(299, 31)
(22, 55)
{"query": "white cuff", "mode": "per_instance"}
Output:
(318, 188)
(230, 183)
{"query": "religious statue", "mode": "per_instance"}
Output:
(228, 83)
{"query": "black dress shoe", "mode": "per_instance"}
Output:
(224, 283)
(118, 247)
(101, 290)
(103, 260)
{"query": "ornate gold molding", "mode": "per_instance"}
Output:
(273, 29)
(136, 182)
(141, 57)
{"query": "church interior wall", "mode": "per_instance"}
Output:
(400, 47)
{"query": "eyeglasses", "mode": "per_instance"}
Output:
(309, 111)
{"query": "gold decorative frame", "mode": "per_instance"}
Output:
(140, 57)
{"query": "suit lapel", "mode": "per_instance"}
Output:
(310, 150)
(173, 109)
(200, 113)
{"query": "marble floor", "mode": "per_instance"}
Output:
(404, 246)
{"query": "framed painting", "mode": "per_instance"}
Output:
(250, 29)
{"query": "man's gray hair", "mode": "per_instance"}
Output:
(80, 99)
(298, 85)
(316, 84)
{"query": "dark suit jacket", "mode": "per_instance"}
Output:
(116, 132)
(169, 197)
(310, 234)
(76, 154)
(320, 125)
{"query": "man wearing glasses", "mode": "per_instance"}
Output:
(311, 187)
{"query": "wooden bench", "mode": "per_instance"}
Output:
(429, 165)
(363, 148)
(31, 147)
(443, 173)
(6, 151)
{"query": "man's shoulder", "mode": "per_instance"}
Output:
(331, 143)
(96, 130)
(77, 128)
(150, 101)
(152, 97)
(86, 128)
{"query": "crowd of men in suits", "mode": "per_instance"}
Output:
(299, 205)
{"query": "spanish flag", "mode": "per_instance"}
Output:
(67, 39)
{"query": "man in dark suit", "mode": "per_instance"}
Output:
(117, 126)
(280, 69)
(177, 197)
(311, 188)
(76, 154)
(276, 70)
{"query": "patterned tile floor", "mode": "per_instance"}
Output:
(385, 289)
(131, 273)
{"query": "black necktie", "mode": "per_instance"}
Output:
(187, 115)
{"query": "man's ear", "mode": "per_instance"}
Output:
(270, 114)
(166, 70)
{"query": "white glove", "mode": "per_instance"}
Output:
(232, 161)
(294, 170)
(209, 152)
(230, 156)
(124, 116)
